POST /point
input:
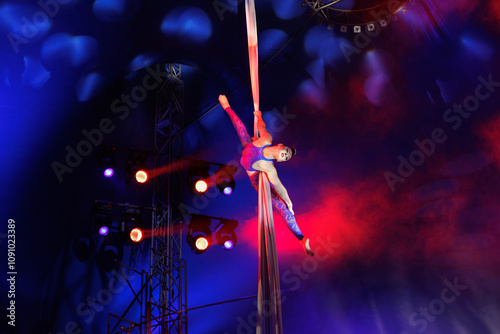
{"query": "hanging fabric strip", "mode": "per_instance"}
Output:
(269, 292)
(253, 55)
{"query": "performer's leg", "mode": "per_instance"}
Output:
(279, 206)
(287, 215)
(239, 126)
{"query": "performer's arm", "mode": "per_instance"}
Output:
(278, 186)
(261, 126)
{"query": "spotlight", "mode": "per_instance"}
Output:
(108, 172)
(141, 176)
(129, 228)
(201, 186)
(383, 23)
(228, 244)
(201, 243)
(199, 236)
(357, 29)
(343, 28)
(226, 237)
(104, 227)
(136, 235)
(103, 230)
(197, 177)
(227, 190)
(136, 168)
(106, 158)
(224, 179)
(101, 219)
(371, 27)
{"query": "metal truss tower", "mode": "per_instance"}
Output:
(167, 296)
(159, 305)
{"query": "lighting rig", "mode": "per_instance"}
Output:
(200, 235)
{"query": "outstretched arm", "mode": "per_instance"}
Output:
(261, 126)
(278, 186)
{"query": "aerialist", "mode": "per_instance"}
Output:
(258, 156)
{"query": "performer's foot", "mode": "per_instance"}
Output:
(307, 248)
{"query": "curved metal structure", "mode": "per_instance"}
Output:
(362, 12)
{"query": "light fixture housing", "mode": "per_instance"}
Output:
(199, 236)
(198, 178)
(106, 160)
(226, 235)
(101, 217)
(224, 179)
(130, 225)
(136, 168)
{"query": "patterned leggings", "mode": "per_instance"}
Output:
(278, 204)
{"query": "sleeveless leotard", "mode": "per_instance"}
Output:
(250, 155)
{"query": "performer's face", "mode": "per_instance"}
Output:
(284, 153)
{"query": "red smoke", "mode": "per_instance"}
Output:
(366, 115)
(369, 223)
(457, 8)
(490, 132)
(362, 220)
(492, 14)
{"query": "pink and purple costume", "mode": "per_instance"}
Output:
(250, 155)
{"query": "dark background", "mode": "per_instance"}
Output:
(387, 252)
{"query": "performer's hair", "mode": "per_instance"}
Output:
(294, 151)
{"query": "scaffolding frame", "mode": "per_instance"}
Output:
(162, 295)
(167, 300)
